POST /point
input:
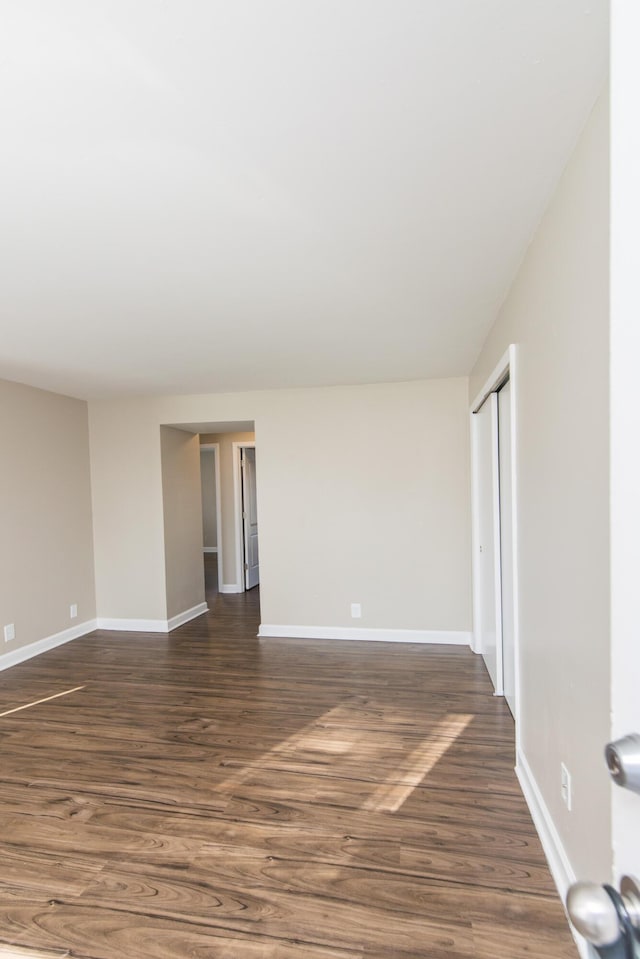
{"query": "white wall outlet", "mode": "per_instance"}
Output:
(73, 610)
(9, 632)
(565, 785)
(356, 611)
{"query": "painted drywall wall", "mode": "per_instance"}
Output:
(209, 505)
(46, 561)
(182, 510)
(332, 531)
(227, 500)
(128, 517)
(557, 314)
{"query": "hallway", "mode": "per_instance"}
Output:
(205, 794)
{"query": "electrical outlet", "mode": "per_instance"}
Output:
(565, 785)
(73, 610)
(9, 633)
(356, 611)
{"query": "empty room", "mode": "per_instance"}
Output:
(318, 489)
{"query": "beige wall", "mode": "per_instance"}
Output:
(182, 510)
(227, 499)
(332, 529)
(367, 494)
(46, 560)
(128, 518)
(209, 510)
(557, 314)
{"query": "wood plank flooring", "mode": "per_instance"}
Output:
(208, 795)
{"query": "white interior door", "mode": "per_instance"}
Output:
(250, 518)
(506, 547)
(486, 426)
(625, 415)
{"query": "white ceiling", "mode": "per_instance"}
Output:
(208, 195)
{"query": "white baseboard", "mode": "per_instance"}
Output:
(133, 625)
(152, 625)
(209, 549)
(42, 645)
(231, 588)
(187, 616)
(443, 637)
(559, 864)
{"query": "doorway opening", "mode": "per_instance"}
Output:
(246, 512)
(211, 519)
(199, 503)
(494, 484)
(219, 446)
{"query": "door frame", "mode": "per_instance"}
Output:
(215, 449)
(238, 446)
(506, 368)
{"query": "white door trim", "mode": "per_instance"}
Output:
(507, 366)
(237, 509)
(215, 449)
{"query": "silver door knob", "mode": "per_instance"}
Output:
(623, 760)
(593, 914)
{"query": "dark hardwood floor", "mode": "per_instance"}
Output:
(210, 578)
(209, 795)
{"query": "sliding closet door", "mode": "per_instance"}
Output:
(486, 426)
(506, 546)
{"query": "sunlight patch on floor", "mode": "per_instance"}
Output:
(334, 741)
(390, 796)
(37, 702)
(23, 952)
(311, 738)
